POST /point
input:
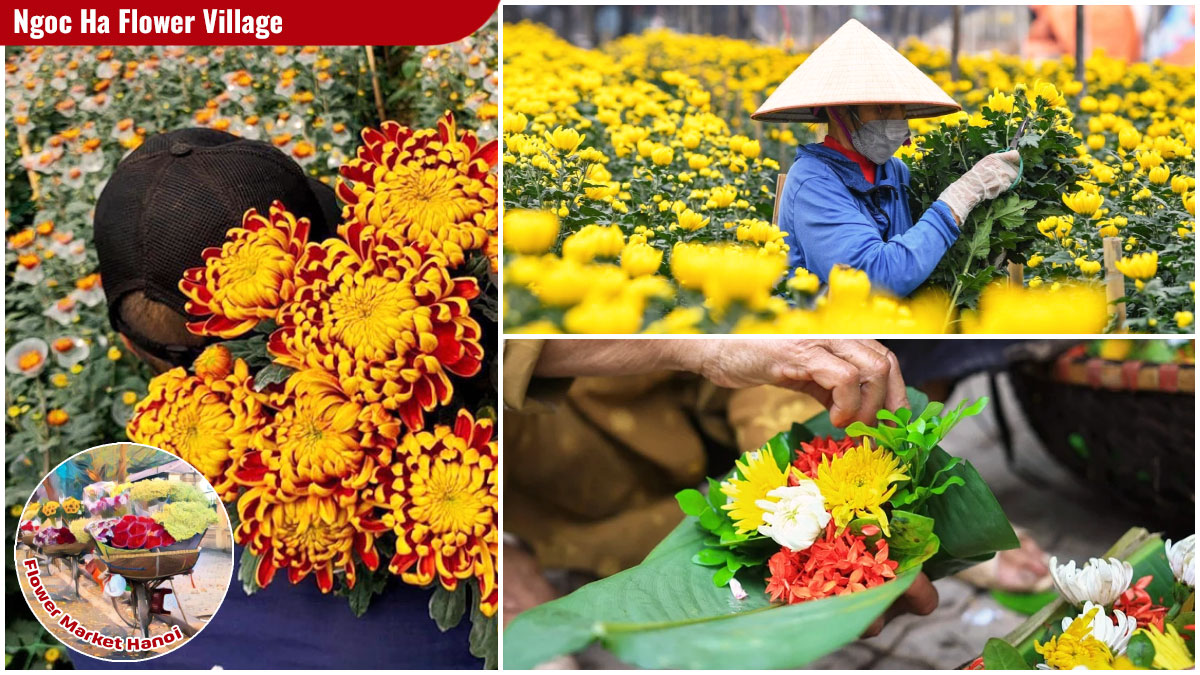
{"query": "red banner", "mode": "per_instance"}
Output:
(249, 22)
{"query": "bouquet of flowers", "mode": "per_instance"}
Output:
(132, 533)
(348, 413)
(53, 536)
(1105, 619)
(103, 498)
(809, 540)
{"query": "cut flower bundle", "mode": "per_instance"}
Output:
(797, 552)
(341, 416)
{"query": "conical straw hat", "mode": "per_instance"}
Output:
(853, 67)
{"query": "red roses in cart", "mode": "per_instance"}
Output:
(137, 532)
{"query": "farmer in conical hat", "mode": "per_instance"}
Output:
(845, 200)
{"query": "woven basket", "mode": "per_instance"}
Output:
(75, 548)
(145, 565)
(27, 538)
(1126, 429)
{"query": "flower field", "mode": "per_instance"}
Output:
(640, 196)
(73, 113)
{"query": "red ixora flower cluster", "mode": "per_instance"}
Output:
(809, 455)
(27, 526)
(834, 565)
(1137, 605)
(134, 532)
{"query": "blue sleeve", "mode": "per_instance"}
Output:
(827, 219)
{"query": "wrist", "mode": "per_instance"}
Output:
(685, 355)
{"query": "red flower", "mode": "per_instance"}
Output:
(136, 532)
(977, 664)
(809, 455)
(833, 565)
(1136, 604)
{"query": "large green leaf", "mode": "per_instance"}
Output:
(967, 519)
(666, 613)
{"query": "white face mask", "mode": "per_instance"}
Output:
(878, 140)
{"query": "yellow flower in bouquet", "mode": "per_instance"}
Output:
(71, 506)
(1076, 647)
(759, 475)
(386, 316)
(310, 534)
(442, 502)
(207, 421)
(434, 188)
(50, 508)
(858, 483)
(249, 276)
(323, 442)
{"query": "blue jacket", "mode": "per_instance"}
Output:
(832, 215)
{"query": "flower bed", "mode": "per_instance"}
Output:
(640, 196)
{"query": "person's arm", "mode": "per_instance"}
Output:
(834, 231)
(854, 379)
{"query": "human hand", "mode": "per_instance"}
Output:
(989, 177)
(854, 379)
(921, 599)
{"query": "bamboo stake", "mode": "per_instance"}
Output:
(1016, 275)
(1114, 281)
(375, 82)
(779, 182)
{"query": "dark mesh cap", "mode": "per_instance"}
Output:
(178, 194)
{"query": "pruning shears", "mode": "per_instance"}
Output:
(1013, 146)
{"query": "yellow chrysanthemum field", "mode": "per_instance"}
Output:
(640, 196)
(332, 416)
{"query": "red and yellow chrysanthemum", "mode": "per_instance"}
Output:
(247, 279)
(209, 422)
(386, 317)
(429, 187)
(312, 534)
(834, 565)
(321, 442)
(441, 502)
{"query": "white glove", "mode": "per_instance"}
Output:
(986, 180)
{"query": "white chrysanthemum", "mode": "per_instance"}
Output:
(1182, 556)
(1101, 581)
(796, 518)
(1113, 631)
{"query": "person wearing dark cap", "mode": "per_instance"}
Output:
(177, 194)
(174, 196)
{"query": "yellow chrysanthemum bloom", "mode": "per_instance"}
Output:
(435, 188)
(249, 277)
(209, 423)
(1142, 266)
(442, 502)
(312, 534)
(1170, 651)
(639, 259)
(530, 232)
(857, 484)
(760, 475)
(1076, 647)
(384, 315)
(803, 281)
(1084, 203)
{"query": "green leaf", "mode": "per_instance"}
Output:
(447, 608)
(484, 641)
(999, 655)
(246, 570)
(912, 540)
(968, 520)
(722, 576)
(1024, 603)
(368, 583)
(781, 450)
(666, 613)
(711, 557)
(716, 498)
(271, 374)
(1140, 650)
(711, 521)
(692, 502)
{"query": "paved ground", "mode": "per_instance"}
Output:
(199, 596)
(1066, 521)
